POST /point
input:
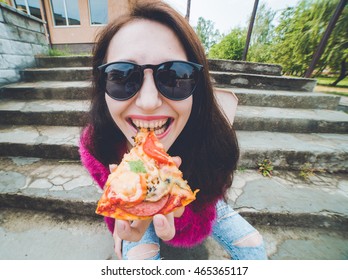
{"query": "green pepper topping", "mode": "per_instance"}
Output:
(137, 166)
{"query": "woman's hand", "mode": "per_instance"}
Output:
(134, 231)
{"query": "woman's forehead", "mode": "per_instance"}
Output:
(145, 41)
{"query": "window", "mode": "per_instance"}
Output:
(31, 7)
(65, 12)
(98, 10)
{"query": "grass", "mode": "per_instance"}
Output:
(265, 168)
(327, 81)
(324, 85)
(64, 52)
(57, 52)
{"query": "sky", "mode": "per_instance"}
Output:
(226, 14)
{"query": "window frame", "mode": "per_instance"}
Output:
(26, 3)
(67, 25)
(90, 15)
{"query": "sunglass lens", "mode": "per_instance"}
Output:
(177, 80)
(122, 80)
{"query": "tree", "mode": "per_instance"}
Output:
(262, 36)
(207, 33)
(300, 31)
(338, 53)
(264, 27)
(231, 46)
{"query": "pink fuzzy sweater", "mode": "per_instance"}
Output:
(191, 228)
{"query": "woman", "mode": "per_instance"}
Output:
(151, 40)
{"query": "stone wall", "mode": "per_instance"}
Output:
(21, 38)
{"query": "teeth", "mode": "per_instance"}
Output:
(155, 125)
(160, 131)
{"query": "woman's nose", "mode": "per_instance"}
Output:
(148, 97)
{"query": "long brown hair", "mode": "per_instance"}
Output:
(207, 145)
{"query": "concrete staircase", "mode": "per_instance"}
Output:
(279, 118)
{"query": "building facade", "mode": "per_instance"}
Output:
(72, 24)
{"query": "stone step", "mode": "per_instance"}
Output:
(224, 79)
(286, 150)
(59, 142)
(343, 104)
(47, 90)
(44, 112)
(66, 187)
(56, 74)
(254, 118)
(243, 80)
(249, 97)
(286, 99)
(238, 66)
(74, 113)
(214, 64)
(290, 151)
(63, 61)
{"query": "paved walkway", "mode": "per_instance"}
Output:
(299, 219)
(27, 235)
(65, 185)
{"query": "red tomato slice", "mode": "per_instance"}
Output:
(154, 151)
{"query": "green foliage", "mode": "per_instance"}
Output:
(265, 168)
(299, 33)
(307, 171)
(231, 46)
(261, 53)
(58, 52)
(263, 31)
(241, 169)
(260, 49)
(327, 81)
(293, 42)
(207, 33)
(65, 52)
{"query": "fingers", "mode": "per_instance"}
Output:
(112, 167)
(131, 231)
(178, 212)
(177, 161)
(118, 244)
(164, 226)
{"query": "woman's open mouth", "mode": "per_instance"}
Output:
(159, 126)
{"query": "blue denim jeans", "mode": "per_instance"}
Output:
(231, 228)
(149, 237)
(228, 229)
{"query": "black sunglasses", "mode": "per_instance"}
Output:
(176, 80)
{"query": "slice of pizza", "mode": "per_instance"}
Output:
(145, 183)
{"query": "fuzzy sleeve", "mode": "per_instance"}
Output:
(96, 169)
(192, 228)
